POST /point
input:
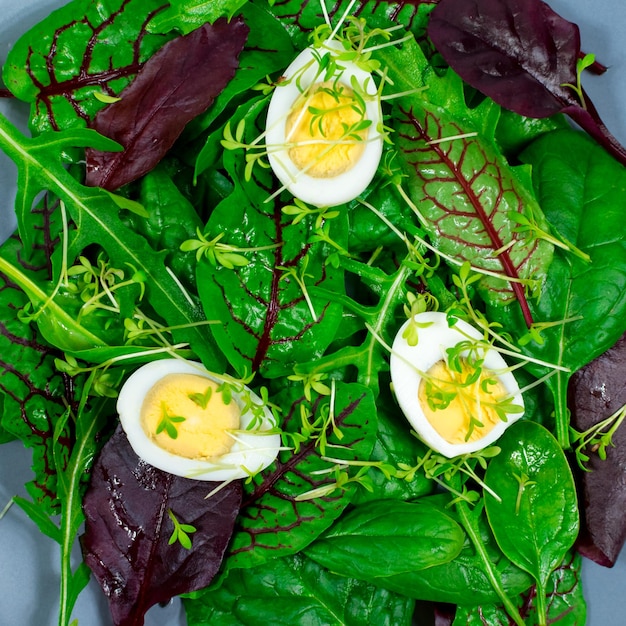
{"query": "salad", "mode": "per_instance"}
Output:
(291, 328)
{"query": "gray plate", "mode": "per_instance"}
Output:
(29, 576)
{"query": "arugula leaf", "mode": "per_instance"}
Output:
(132, 502)
(97, 221)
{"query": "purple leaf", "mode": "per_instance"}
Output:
(521, 54)
(129, 507)
(178, 83)
(596, 392)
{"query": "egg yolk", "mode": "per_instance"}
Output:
(460, 411)
(186, 415)
(323, 127)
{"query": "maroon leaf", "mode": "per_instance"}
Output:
(128, 528)
(521, 54)
(596, 392)
(178, 83)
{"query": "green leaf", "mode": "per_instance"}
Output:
(388, 538)
(536, 521)
(186, 16)
(296, 590)
(583, 304)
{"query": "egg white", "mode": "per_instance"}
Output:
(321, 191)
(408, 361)
(252, 451)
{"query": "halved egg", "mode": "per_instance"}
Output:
(180, 418)
(323, 127)
(456, 392)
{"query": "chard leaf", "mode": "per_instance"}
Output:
(597, 393)
(296, 590)
(274, 521)
(176, 84)
(388, 538)
(63, 62)
(536, 521)
(35, 395)
(582, 309)
(463, 188)
(128, 528)
(523, 55)
(270, 317)
(96, 217)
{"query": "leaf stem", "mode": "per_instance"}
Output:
(465, 516)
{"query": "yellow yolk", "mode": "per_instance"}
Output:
(317, 121)
(191, 416)
(452, 422)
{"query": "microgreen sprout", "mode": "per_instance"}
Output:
(524, 482)
(596, 439)
(312, 382)
(202, 399)
(168, 422)
(417, 304)
(181, 532)
(300, 210)
(581, 65)
(528, 226)
(220, 254)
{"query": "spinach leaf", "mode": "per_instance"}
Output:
(133, 542)
(67, 66)
(582, 309)
(296, 590)
(388, 538)
(461, 580)
(536, 521)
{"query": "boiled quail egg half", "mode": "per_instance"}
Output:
(184, 420)
(323, 127)
(456, 391)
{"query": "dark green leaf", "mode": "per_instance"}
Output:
(295, 590)
(388, 538)
(536, 522)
